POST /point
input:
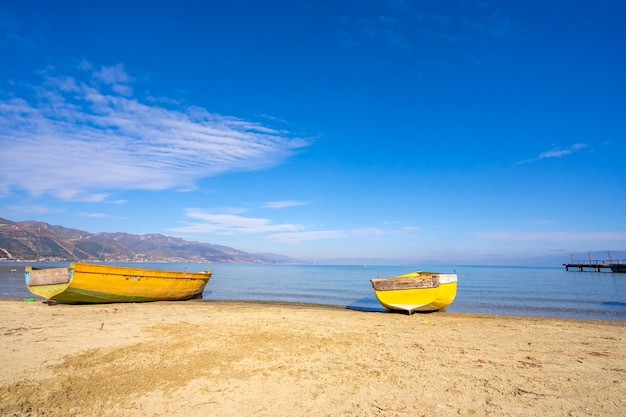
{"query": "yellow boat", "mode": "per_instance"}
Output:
(416, 291)
(98, 283)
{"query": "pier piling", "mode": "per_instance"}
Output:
(597, 265)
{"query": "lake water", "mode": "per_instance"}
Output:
(526, 291)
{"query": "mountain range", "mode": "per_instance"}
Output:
(39, 241)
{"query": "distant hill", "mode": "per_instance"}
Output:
(38, 241)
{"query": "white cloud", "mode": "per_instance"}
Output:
(555, 153)
(97, 215)
(233, 222)
(26, 209)
(228, 223)
(284, 204)
(113, 75)
(304, 236)
(81, 137)
(308, 236)
(369, 231)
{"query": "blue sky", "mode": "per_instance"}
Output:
(408, 131)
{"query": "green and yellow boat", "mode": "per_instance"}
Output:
(99, 283)
(416, 291)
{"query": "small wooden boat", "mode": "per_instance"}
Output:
(416, 291)
(98, 283)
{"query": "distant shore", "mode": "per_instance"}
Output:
(246, 358)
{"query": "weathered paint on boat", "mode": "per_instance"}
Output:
(416, 291)
(99, 283)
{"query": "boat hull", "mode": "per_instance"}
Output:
(417, 291)
(97, 283)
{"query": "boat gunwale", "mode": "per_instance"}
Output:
(408, 283)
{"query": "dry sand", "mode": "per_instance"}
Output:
(201, 358)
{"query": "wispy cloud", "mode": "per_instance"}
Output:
(26, 209)
(284, 204)
(311, 235)
(555, 236)
(555, 153)
(308, 236)
(234, 221)
(205, 221)
(99, 216)
(80, 136)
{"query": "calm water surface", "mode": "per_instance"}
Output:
(526, 291)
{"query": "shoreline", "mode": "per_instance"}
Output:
(300, 304)
(600, 296)
(232, 358)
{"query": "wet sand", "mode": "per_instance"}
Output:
(200, 358)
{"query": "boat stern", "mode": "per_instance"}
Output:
(416, 291)
(47, 283)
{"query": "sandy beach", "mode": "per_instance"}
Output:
(200, 358)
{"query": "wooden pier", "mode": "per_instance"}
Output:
(597, 265)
